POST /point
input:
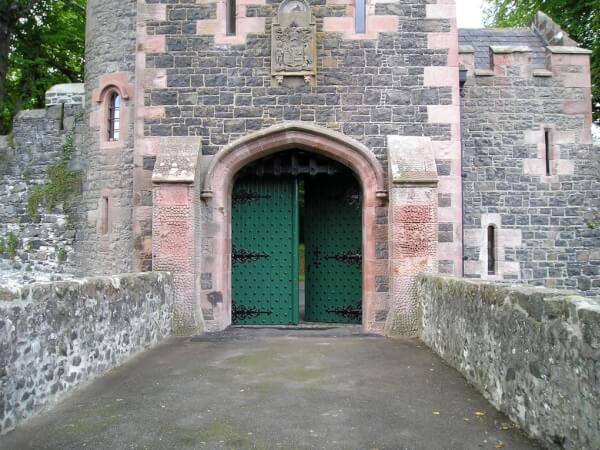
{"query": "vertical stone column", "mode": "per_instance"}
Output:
(412, 229)
(174, 228)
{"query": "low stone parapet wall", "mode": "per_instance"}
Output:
(56, 336)
(534, 353)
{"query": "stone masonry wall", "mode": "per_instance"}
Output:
(534, 353)
(44, 244)
(110, 64)
(399, 78)
(56, 336)
(543, 233)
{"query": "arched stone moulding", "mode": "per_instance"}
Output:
(109, 83)
(215, 247)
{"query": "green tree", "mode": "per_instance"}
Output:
(41, 44)
(579, 18)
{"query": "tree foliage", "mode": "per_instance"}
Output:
(46, 41)
(579, 18)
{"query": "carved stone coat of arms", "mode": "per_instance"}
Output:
(293, 46)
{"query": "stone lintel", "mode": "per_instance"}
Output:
(542, 73)
(411, 161)
(466, 49)
(177, 160)
(484, 73)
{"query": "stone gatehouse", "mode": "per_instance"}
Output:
(221, 140)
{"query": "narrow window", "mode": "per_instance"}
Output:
(360, 16)
(547, 152)
(104, 216)
(491, 244)
(114, 117)
(62, 116)
(231, 17)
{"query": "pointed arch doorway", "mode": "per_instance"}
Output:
(215, 258)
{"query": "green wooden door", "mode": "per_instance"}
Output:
(264, 253)
(333, 242)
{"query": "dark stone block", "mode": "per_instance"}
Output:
(148, 162)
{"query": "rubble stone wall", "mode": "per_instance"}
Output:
(56, 336)
(534, 353)
(38, 245)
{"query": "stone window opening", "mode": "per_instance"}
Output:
(62, 117)
(230, 17)
(491, 249)
(114, 117)
(547, 151)
(360, 17)
(104, 215)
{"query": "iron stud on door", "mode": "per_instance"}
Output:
(264, 233)
(333, 239)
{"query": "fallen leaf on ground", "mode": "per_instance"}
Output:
(499, 444)
(436, 413)
(479, 413)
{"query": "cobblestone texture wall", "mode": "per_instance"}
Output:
(534, 353)
(110, 62)
(56, 336)
(43, 245)
(542, 221)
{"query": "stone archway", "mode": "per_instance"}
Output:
(214, 251)
(191, 222)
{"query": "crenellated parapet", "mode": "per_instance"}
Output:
(528, 179)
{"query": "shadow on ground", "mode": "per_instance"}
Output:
(275, 389)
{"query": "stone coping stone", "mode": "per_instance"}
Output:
(31, 114)
(540, 304)
(568, 50)
(35, 292)
(177, 160)
(503, 49)
(67, 88)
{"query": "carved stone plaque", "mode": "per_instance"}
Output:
(293, 42)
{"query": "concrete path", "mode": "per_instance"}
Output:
(275, 389)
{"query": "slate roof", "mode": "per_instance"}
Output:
(481, 39)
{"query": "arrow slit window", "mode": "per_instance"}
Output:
(230, 17)
(360, 16)
(491, 248)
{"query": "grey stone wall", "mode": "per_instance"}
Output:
(44, 244)
(545, 235)
(68, 94)
(110, 49)
(534, 353)
(367, 89)
(56, 336)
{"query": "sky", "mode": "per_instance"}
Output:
(468, 13)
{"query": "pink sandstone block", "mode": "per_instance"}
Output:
(153, 44)
(442, 40)
(413, 214)
(440, 76)
(441, 11)
(155, 78)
